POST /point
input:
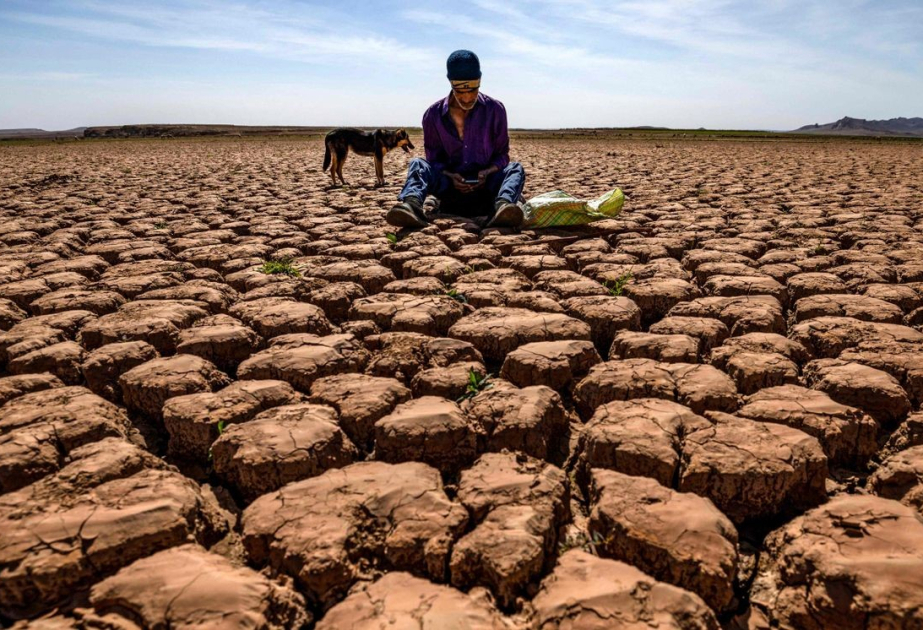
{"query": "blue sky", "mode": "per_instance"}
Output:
(774, 64)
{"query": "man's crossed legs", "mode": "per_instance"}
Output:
(498, 198)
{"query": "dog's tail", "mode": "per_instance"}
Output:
(326, 156)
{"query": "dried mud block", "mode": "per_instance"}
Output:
(847, 435)
(709, 331)
(607, 316)
(39, 429)
(187, 586)
(431, 430)
(403, 355)
(905, 298)
(759, 343)
(853, 563)
(328, 531)
(449, 382)
(663, 348)
(532, 265)
(271, 317)
(531, 420)
(427, 315)
(156, 322)
(518, 504)
(753, 371)
(84, 468)
(217, 296)
(95, 301)
(302, 359)
(807, 284)
(421, 285)
(638, 437)
(859, 307)
(146, 387)
(656, 296)
(10, 314)
(24, 292)
(89, 266)
(103, 366)
(443, 268)
(909, 433)
(192, 420)
(538, 301)
(745, 286)
(279, 446)
(753, 470)
(827, 337)
(567, 284)
(134, 284)
(336, 298)
(593, 593)
(903, 361)
(15, 386)
(51, 548)
(360, 401)
(676, 537)
(369, 275)
(695, 257)
(875, 392)
(557, 364)
(226, 345)
(25, 338)
(61, 359)
(699, 387)
(900, 477)
(400, 600)
(497, 331)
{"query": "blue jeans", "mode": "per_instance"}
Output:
(423, 180)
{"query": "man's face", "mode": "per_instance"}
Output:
(466, 98)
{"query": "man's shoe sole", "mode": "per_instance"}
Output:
(404, 217)
(509, 215)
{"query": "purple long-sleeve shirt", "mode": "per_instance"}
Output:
(486, 142)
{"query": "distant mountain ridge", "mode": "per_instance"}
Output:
(846, 126)
(32, 133)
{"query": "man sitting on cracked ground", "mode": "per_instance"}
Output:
(467, 165)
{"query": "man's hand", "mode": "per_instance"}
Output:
(459, 182)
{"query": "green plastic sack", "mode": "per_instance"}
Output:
(559, 208)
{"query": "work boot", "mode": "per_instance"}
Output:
(506, 214)
(407, 213)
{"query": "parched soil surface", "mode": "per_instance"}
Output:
(708, 417)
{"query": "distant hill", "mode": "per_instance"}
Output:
(27, 134)
(846, 126)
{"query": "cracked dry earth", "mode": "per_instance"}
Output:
(734, 439)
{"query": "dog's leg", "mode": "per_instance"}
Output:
(333, 169)
(340, 161)
(380, 164)
(379, 171)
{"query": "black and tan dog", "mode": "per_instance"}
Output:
(375, 143)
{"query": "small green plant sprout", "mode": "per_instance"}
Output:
(392, 238)
(617, 286)
(279, 266)
(455, 295)
(589, 543)
(221, 427)
(161, 225)
(477, 383)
